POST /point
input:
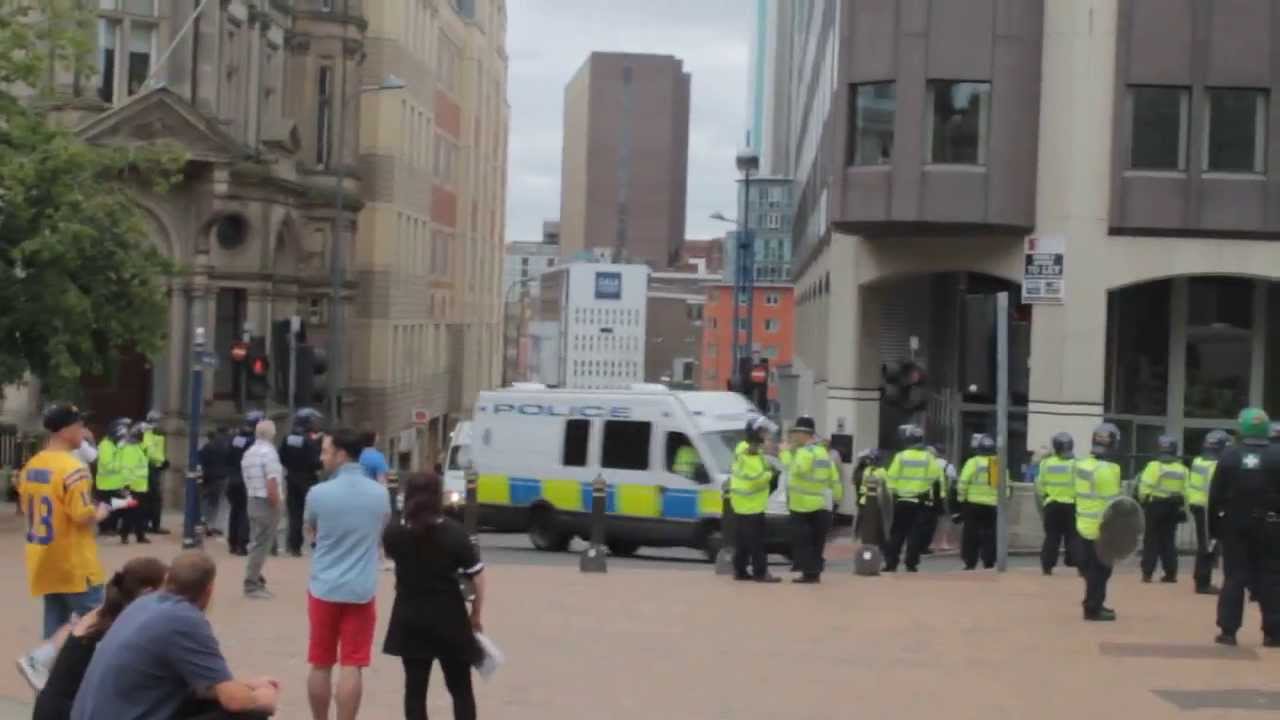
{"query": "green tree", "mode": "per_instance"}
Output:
(79, 280)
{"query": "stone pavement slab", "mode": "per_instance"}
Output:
(642, 643)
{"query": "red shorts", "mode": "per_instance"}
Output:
(348, 624)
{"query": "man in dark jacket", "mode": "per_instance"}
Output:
(300, 456)
(215, 462)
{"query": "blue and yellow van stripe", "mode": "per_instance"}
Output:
(575, 496)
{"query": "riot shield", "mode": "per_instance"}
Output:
(1120, 530)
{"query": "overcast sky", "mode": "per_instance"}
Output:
(548, 40)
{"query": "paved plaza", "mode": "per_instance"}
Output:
(669, 639)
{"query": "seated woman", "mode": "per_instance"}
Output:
(138, 577)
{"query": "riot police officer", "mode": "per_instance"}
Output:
(109, 482)
(978, 499)
(912, 476)
(1055, 489)
(1097, 483)
(237, 496)
(1198, 484)
(1244, 504)
(300, 456)
(155, 446)
(1162, 491)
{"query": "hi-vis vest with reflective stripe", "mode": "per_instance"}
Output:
(1199, 480)
(810, 476)
(975, 482)
(1097, 483)
(110, 474)
(749, 484)
(1056, 480)
(911, 474)
(1163, 480)
(872, 479)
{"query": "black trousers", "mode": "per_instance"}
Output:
(156, 488)
(809, 540)
(133, 521)
(748, 547)
(1059, 532)
(930, 528)
(1096, 575)
(238, 517)
(296, 502)
(1206, 551)
(979, 536)
(457, 677)
(909, 526)
(1159, 537)
(1250, 559)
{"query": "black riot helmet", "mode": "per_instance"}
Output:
(251, 420)
(1064, 446)
(1105, 440)
(804, 424)
(984, 444)
(911, 435)
(1214, 443)
(118, 429)
(307, 420)
(1167, 446)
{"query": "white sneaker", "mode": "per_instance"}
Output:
(260, 594)
(33, 672)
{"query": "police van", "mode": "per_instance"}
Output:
(537, 450)
(455, 480)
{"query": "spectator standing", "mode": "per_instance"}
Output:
(263, 479)
(137, 578)
(372, 461)
(215, 467)
(429, 620)
(345, 515)
(160, 659)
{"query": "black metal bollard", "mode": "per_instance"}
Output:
(393, 491)
(724, 558)
(471, 511)
(593, 558)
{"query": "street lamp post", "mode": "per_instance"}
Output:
(748, 161)
(337, 268)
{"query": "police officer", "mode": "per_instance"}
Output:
(686, 460)
(109, 482)
(1056, 491)
(978, 500)
(237, 496)
(749, 488)
(912, 478)
(135, 472)
(1162, 491)
(1198, 484)
(930, 529)
(1244, 502)
(1097, 480)
(300, 456)
(153, 443)
(812, 485)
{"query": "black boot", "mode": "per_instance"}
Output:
(1226, 638)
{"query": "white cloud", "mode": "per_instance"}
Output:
(549, 39)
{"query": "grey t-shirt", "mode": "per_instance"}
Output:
(158, 653)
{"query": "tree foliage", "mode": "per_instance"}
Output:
(79, 280)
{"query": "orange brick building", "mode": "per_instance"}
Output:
(772, 336)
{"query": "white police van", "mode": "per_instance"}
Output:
(455, 481)
(537, 451)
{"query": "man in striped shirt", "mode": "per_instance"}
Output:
(263, 477)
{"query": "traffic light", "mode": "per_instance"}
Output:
(903, 385)
(758, 382)
(282, 355)
(258, 370)
(313, 363)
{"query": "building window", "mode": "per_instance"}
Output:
(324, 114)
(742, 323)
(447, 61)
(693, 311)
(773, 221)
(958, 122)
(715, 323)
(1219, 346)
(1159, 128)
(771, 299)
(1139, 356)
(126, 47)
(771, 325)
(1235, 132)
(712, 349)
(871, 141)
(445, 159)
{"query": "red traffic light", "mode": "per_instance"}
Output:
(258, 366)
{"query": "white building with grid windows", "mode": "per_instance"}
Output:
(600, 310)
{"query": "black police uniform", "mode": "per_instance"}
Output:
(215, 468)
(300, 456)
(237, 495)
(1244, 504)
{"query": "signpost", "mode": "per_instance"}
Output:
(1002, 431)
(1042, 274)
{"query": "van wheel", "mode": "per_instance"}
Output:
(712, 541)
(545, 532)
(622, 548)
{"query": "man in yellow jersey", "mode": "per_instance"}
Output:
(56, 495)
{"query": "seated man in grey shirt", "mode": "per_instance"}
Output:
(160, 660)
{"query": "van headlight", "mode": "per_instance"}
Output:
(454, 497)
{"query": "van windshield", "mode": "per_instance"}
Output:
(453, 457)
(721, 445)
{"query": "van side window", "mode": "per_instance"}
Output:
(576, 435)
(681, 458)
(626, 445)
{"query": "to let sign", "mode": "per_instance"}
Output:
(1042, 274)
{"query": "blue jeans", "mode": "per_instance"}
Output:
(58, 607)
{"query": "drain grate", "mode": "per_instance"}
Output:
(1173, 651)
(1221, 699)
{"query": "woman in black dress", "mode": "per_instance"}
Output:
(429, 620)
(137, 578)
